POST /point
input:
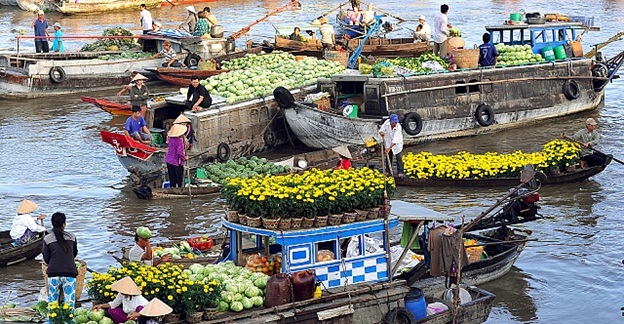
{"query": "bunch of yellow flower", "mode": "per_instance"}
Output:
(60, 313)
(464, 165)
(311, 193)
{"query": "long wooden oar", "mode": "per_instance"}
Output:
(595, 150)
(332, 10)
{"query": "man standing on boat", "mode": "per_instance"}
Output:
(441, 32)
(488, 55)
(328, 36)
(146, 19)
(41, 30)
(588, 137)
(392, 134)
(191, 20)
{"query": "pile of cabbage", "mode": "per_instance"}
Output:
(516, 54)
(84, 316)
(243, 289)
(255, 76)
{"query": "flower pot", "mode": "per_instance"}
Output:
(210, 313)
(296, 222)
(171, 318)
(232, 215)
(307, 222)
(361, 214)
(373, 213)
(334, 219)
(242, 218)
(194, 317)
(348, 218)
(285, 223)
(254, 222)
(320, 221)
(270, 223)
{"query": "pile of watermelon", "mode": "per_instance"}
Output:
(242, 168)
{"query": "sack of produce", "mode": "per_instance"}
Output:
(261, 263)
(324, 256)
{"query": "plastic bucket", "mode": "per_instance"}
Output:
(515, 17)
(350, 111)
(560, 52)
(548, 53)
(415, 303)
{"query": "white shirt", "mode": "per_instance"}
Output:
(327, 31)
(146, 20)
(424, 33)
(368, 17)
(440, 24)
(136, 254)
(393, 135)
(23, 222)
(129, 304)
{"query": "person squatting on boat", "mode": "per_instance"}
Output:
(296, 35)
(60, 248)
(345, 158)
(441, 31)
(169, 55)
(153, 311)
(197, 97)
(488, 55)
(202, 27)
(191, 19)
(368, 16)
(24, 228)
(392, 134)
(328, 35)
(127, 304)
(588, 137)
(136, 127)
(142, 250)
(423, 30)
(40, 24)
(175, 157)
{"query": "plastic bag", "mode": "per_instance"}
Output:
(353, 249)
(433, 66)
(261, 263)
(324, 256)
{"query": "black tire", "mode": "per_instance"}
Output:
(57, 74)
(270, 139)
(283, 97)
(223, 152)
(571, 89)
(484, 115)
(192, 60)
(412, 123)
(399, 315)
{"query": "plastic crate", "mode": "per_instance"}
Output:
(196, 243)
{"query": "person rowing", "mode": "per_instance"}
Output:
(588, 137)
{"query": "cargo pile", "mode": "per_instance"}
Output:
(120, 44)
(242, 168)
(516, 55)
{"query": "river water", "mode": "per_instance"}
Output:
(52, 154)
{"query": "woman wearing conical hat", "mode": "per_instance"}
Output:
(345, 157)
(189, 135)
(128, 303)
(175, 157)
(25, 228)
(152, 313)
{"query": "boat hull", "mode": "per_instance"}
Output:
(97, 6)
(377, 47)
(14, 254)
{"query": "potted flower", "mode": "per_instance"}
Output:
(60, 313)
(196, 297)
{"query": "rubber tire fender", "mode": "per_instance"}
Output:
(223, 152)
(484, 109)
(399, 315)
(270, 139)
(412, 118)
(283, 97)
(57, 74)
(571, 89)
(192, 60)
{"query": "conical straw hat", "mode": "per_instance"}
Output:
(177, 130)
(126, 286)
(26, 207)
(139, 76)
(456, 42)
(342, 150)
(181, 120)
(156, 308)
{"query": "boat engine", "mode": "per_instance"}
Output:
(522, 206)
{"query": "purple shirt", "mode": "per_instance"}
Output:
(175, 152)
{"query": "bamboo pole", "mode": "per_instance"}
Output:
(456, 299)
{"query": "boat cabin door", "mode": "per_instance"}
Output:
(372, 100)
(329, 87)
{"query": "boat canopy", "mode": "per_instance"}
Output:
(407, 211)
(537, 36)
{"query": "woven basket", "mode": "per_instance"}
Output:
(466, 58)
(80, 278)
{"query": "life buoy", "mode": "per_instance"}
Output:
(399, 315)
(571, 89)
(192, 60)
(484, 115)
(412, 123)
(270, 139)
(57, 74)
(283, 97)
(223, 152)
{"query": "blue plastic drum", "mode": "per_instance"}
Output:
(415, 303)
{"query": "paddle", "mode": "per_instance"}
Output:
(171, 3)
(387, 157)
(593, 149)
(332, 10)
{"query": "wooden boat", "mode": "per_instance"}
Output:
(145, 192)
(377, 47)
(182, 72)
(98, 6)
(10, 254)
(178, 81)
(209, 257)
(475, 311)
(166, 3)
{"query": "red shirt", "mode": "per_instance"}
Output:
(344, 164)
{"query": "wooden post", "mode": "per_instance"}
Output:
(456, 299)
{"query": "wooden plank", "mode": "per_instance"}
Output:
(331, 313)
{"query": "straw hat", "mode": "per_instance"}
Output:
(456, 42)
(590, 121)
(181, 120)
(177, 130)
(315, 22)
(191, 9)
(26, 207)
(138, 77)
(126, 286)
(324, 20)
(155, 308)
(343, 151)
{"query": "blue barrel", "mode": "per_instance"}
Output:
(415, 303)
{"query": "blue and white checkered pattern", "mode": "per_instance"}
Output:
(353, 271)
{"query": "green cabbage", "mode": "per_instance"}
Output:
(247, 303)
(223, 306)
(130, 322)
(257, 301)
(252, 291)
(81, 319)
(97, 315)
(106, 320)
(236, 306)
(81, 311)
(261, 282)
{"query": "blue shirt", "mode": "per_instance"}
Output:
(40, 28)
(58, 38)
(487, 53)
(134, 126)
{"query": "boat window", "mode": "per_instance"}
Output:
(461, 89)
(539, 36)
(373, 243)
(549, 35)
(488, 87)
(351, 247)
(325, 251)
(473, 87)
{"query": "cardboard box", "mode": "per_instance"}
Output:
(337, 56)
(577, 48)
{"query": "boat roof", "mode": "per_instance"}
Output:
(576, 25)
(288, 28)
(408, 211)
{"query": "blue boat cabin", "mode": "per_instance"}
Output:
(536, 35)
